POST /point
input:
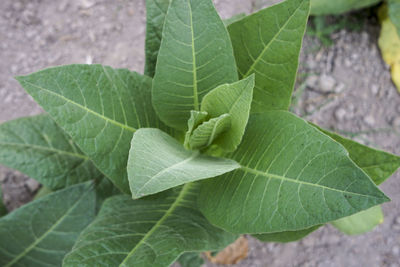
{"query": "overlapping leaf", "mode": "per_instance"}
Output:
(99, 107)
(292, 177)
(196, 118)
(328, 7)
(207, 132)
(156, 10)
(39, 148)
(267, 43)
(235, 100)
(379, 165)
(158, 162)
(361, 222)
(285, 237)
(147, 232)
(42, 232)
(195, 57)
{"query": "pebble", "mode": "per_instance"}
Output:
(340, 114)
(32, 185)
(370, 120)
(375, 89)
(312, 81)
(326, 83)
(396, 250)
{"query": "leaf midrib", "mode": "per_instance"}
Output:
(171, 209)
(38, 240)
(270, 42)
(36, 147)
(283, 178)
(124, 126)
(195, 93)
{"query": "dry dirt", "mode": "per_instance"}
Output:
(347, 87)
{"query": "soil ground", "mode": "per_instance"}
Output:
(347, 87)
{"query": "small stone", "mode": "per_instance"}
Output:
(375, 89)
(340, 88)
(370, 120)
(340, 114)
(32, 185)
(326, 83)
(396, 250)
(312, 81)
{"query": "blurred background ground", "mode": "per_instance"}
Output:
(345, 87)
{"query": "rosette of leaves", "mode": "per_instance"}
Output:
(186, 157)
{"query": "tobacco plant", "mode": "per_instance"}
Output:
(186, 157)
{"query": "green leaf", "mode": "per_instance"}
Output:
(285, 237)
(195, 57)
(3, 209)
(268, 43)
(147, 232)
(43, 191)
(43, 231)
(207, 132)
(292, 177)
(394, 13)
(234, 99)
(191, 259)
(99, 107)
(361, 222)
(30, 142)
(156, 10)
(196, 118)
(379, 165)
(158, 162)
(329, 7)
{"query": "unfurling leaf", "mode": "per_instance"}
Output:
(37, 147)
(158, 162)
(208, 131)
(43, 231)
(292, 177)
(147, 232)
(267, 43)
(196, 118)
(233, 99)
(195, 57)
(361, 222)
(389, 43)
(99, 107)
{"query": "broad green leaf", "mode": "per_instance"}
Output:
(379, 165)
(195, 57)
(3, 209)
(42, 232)
(37, 147)
(292, 177)
(394, 13)
(268, 43)
(99, 107)
(158, 162)
(155, 14)
(43, 191)
(207, 132)
(329, 7)
(285, 237)
(147, 232)
(196, 118)
(234, 99)
(191, 259)
(361, 222)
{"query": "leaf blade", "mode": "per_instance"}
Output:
(99, 107)
(29, 142)
(195, 56)
(158, 162)
(267, 43)
(281, 158)
(285, 237)
(75, 202)
(177, 219)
